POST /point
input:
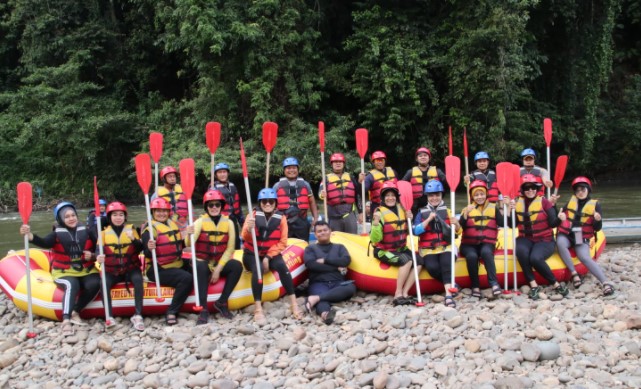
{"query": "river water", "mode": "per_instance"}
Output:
(617, 201)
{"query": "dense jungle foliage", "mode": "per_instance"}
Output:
(83, 83)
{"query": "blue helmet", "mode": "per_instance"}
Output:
(59, 208)
(481, 155)
(221, 166)
(527, 152)
(102, 202)
(267, 194)
(290, 161)
(434, 186)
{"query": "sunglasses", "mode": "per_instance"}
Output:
(268, 201)
(580, 189)
(527, 188)
(214, 204)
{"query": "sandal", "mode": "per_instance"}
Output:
(534, 293)
(562, 290)
(66, 328)
(399, 301)
(477, 294)
(496, 290)
(138, 322)
(410, 300)
(171, 320)
(449, 302)
(577, 280)
(608, 289)
(328, 316)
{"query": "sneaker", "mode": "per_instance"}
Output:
(534, 293)
(75, 319)
(203, 317)
(221, 308)
(562, 290)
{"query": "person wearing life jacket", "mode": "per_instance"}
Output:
(342, 192)
(389, 237)
(232, 208)
(480, 222)
(485, 174)
(432, 225)
(168, 243)
(295, 199)
(580, 219)
(72, 262)
(173, 193)
(91, 217)
(528, 156)
(420, 174)
(536, 216)
(270, 227)
(121, 246)
(376, 177)
(214, 233)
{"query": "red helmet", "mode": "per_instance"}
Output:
(116, 206)
(389, 185)
(166, 170)
(378, 155)
(582, 180)
(530, 179)
(337, 157)
(160, 203)
(423, 150)
(213, 195)
(478, 184)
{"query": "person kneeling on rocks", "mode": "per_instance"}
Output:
(327, 264)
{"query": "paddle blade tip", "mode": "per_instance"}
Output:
(31, 335)
(159, 299)
(197, 308)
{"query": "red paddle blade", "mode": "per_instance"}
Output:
(187, 176)
(504, 178)
(547, 131)
(143, 171)
(212, 136)
(516, 180)
(452, 171)
(559, 172)
(465, 142)
(449, 141)
(361, 142)
(321, 136)
(243, 161)
(270, 133)
(407, 197)
(155, 146)
(96, 197)
(25, 202)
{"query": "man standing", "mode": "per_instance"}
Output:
(173, 193)
(419, 175)
(529, 158)
(376, 177)
(295, 198)
(341, 196)
(232, 198)
(327, 264)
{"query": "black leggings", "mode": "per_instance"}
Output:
(439, 266)
(135, 277)
(178, 278)
(472, 253)
(277, 263)
(231, 271)
(534, 255)
(90, 286)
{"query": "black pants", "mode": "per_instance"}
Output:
(534, 255)
(298, 227)
(90, 286)
(472, 254)
(439, 266)
(277, 263)
(135, 277)
(330, 292)
(237, 229)
(178, 278)
(231, 271)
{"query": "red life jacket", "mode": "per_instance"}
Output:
(267, 232)
(121, 255)
(68, 249)
(416, 180)
(481, 226)
(168, 242)
(177, 199)
(213, 238)
(585, 217)
(433, 235)
(490, 180)
(533, 222)
(340, 189)
(379, 179)
(293, 200)
(232, 199)
(394, 229)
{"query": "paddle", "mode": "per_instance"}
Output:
(547, 134)
(449, 141)
(559, 172)
(243, 162)
(504, 182)
(103, 268)
(155, 149)
(361, 147)
(143, 174)
(453, 176)
(321, 139)
(25, 205)
(407, 200)
(516, 191)
(467, 168)
(270, 134)
(212, 137)
(187, 182)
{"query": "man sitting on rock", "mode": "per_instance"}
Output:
(327, 264)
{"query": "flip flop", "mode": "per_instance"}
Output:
(477, 294)
(496, 290)
(138, 322)
(577, 281)
(608, 289)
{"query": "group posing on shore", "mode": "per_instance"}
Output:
(282, 213)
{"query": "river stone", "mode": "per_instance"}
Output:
(332, 365)
(111, 364)
(380, 380)
(530, 352)
(9, 344)
(104, 345)
(549, 350)
(199, 380)
(365, 379)
(358, 352)
(223, 384)
(633, 322)
(472, 345)
(455, 321)
(510, 382)
(7, 359)
(368, 365)
(151, 381)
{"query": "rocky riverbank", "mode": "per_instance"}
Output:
(585, 341)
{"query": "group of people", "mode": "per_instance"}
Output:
(282, 212)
